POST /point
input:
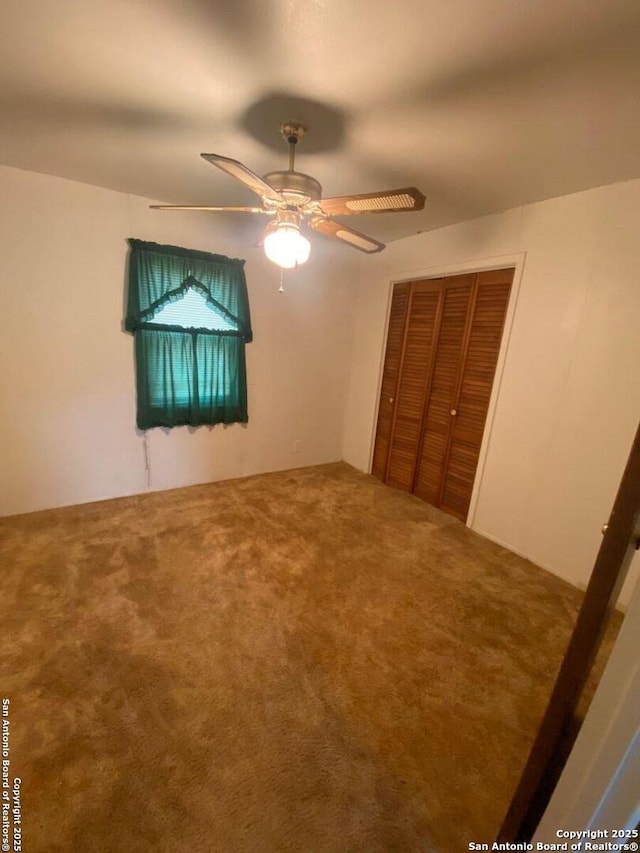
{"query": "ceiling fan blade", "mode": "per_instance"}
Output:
(241, 173)
(209, 207)
(388, 201)
(331, 228)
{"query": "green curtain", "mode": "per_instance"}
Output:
(185, 375)
(159, 274)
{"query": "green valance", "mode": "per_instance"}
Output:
(160, 274)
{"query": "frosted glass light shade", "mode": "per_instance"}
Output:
(286, 246)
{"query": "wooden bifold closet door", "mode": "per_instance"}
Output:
(442, 348)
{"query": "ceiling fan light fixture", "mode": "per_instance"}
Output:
(286, 246)
(293, 199)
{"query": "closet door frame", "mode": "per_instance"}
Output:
(496, 262)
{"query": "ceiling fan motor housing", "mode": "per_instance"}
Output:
(296, 187)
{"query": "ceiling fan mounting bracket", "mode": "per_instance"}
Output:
(292, 132)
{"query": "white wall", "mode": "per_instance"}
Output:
(569, 400)
(67, 391)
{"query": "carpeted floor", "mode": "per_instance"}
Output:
(303, 661)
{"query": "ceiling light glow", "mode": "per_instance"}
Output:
(286, 246)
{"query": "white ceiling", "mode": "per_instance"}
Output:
(482, 104)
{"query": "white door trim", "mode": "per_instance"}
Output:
(598, 789)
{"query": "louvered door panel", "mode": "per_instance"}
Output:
(478, 370)
(393, 353)
(442, 349)
(443, 387)
(412, 385)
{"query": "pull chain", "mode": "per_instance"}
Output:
(281, 288)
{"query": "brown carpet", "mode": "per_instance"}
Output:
(303, 661)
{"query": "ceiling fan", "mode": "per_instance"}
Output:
(294, 200)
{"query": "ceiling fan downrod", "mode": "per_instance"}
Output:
(292, 134)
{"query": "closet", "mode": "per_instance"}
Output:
(442, 348)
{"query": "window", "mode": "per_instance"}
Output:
(189, 313)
